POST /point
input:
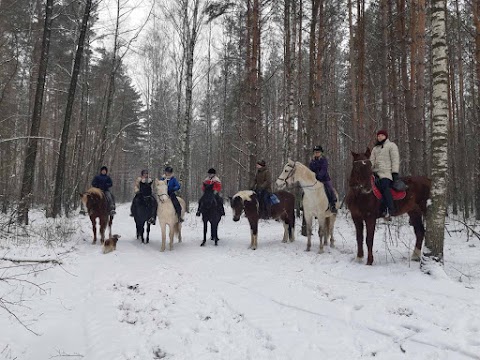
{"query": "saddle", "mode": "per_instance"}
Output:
(396, 195)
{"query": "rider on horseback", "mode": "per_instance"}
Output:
(385, 160)
(173, 186)
(262, 185)
(212, 178)
(138, 188)
(319, 165)
(103, 182)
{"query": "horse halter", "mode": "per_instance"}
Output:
(290, 174)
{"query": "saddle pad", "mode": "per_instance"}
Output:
(274, 199)
(397, 195)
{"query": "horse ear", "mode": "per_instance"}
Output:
(354, 154)
(368, 152)
(80, 194)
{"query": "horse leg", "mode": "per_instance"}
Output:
(359, 232)
(178, 230)
(321, 233)
(103, 225)
(285, 232)
(308, 225)
(148, 232)
(110, 220)
(253, 233)
(163, 226)
(171, 234)
(332, 219)
(370, 222)
(417, 222)
(142, 230)
(205, 225)
(94, 228)
(214, 228)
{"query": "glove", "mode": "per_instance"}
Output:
(198, 213)
(395, 176)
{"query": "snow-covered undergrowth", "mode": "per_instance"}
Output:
(228, 302)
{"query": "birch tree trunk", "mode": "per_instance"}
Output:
(434, 238)
(186, 125)
(31, 153)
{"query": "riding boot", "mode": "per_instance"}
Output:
(220, 208)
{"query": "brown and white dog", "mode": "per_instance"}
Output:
(110, 244)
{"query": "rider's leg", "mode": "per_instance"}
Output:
(176, 205)
(385, 185)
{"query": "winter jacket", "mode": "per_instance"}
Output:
(385, 159)
(138, 180)
(103, 182)
(263, 180)
(173, 184)
(217, 184)
(320, 167)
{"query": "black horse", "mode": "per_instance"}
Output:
(144, 210)
(209, 207)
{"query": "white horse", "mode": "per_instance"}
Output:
(315, 201)
(167, 215)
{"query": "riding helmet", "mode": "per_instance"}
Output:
(262, 163)
(104, 168)
(211, 171)
(318, 148)
(169, 169)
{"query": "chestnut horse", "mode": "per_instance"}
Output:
(365, 207)
(247, 201)
(96, 205)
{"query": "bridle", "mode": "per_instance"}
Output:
(291, 173)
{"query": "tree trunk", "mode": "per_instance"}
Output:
(32, 144)
(434, 238)
(476, 19)
(60, 174)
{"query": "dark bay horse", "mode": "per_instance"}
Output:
(246, 201)
(210, 211)
(96, 205)
(365, 207)
(144, 208)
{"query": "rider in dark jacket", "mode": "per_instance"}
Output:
(103, 182)
(319, 165)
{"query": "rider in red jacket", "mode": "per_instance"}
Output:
(212, 178)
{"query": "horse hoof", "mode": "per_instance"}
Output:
(307, 249)
(359, 259)
(321, 251)
(369, 263)
(254, 248)
(203, 243)
(332, 245)
(216, 243)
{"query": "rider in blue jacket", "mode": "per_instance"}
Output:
(173, 186)
(103, 182)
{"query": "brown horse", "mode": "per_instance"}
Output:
(365, 207)
(96, 205)
(246, 201)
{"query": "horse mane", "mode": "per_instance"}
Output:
(245, 195)
(306, 170)
(95, 191)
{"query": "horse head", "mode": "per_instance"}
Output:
(360, 177)
(92, 200)
(161, 187)
(287, 176)
(146, 189)
(237, 203)
(208, 200)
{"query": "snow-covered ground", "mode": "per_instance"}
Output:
(229, 302)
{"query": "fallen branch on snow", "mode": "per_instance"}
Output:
(42, 261)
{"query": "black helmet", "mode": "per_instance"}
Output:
(317, 148)
(144, 171)
(104, 168)
(262, 163)
(211, 171)
(169, 169)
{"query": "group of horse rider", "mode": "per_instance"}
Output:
(385, 161)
